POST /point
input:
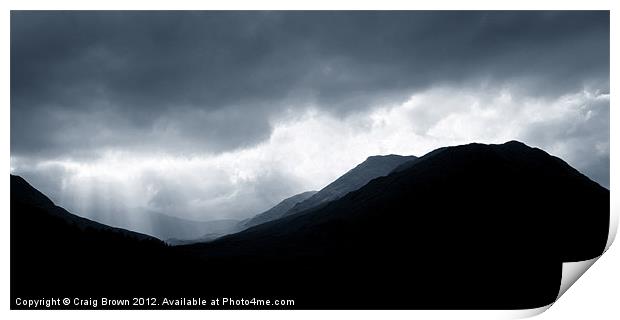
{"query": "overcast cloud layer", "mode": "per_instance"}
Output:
(223, 114)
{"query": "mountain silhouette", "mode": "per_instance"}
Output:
(472, 226)
(55, 253)
(23, 194)
(277, 211)
(373, 167)
(466, 227)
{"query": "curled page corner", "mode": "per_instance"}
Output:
(571, 271)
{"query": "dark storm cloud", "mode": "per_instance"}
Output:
(193, 82)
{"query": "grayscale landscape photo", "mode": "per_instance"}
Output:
(306, 159)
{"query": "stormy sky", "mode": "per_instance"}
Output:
(210, 115)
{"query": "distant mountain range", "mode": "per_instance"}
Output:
(467, 227)
(278, 211)
(373, 167)
(510, 183)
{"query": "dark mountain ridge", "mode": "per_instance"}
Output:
(55, 253)
(273, 213)
(373, 167)
(461, 216)
(466, 227)
(477, 166)
(22, 193)
(276, 212)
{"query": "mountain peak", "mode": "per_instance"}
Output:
(515, 143)
(373, 167)
(380, 156)
(512, 144)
